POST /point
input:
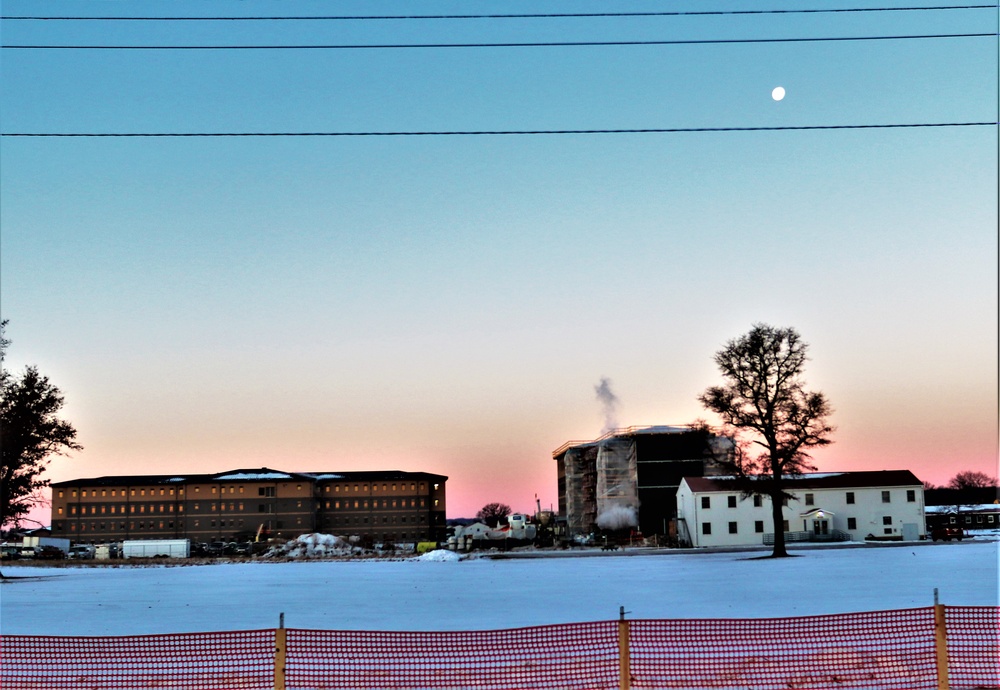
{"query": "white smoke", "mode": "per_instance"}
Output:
(617, 517)
(609, 404)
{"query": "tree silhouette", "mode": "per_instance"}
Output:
(493, 513)
(972, 480)
(30, 432)
(773, 419)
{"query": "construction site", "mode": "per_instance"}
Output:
(625, 482)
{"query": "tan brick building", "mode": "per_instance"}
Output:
(391, 505)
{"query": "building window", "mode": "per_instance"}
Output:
(852, 523)
(886, 519)
(706, 502)
(706, 528)
(968, 520)
(732, 501)
(887, 530)
(850, 497)
(758, 501)
(266, 491)
(733, 528)
(911, 496)
(810, 499)
(885, 497)
(758, 526)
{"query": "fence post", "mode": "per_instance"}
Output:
(941, 643)
(280, 653)
(624, 663)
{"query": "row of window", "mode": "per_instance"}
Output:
(374, 487)
(114, 508)
(162, 524)
(121, 509)
(979, 519)
(363, 503)
(809, 500)
(758, 525)
(386, 520)
(268, 491)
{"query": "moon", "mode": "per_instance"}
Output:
(778, 93)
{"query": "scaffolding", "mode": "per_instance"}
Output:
(617, 483)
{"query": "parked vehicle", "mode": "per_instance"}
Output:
(82, 551)
(49, 553)
(10, 552)
(947, 533)
(57, 542)
(42, 553)
(155, 548)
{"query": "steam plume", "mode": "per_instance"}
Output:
(609, 404)
(617, 517)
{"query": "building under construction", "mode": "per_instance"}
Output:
(628, 478)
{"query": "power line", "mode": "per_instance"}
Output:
(443, 133)
(533, 44)
(551, 15)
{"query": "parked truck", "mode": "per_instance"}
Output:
(38, 542)
(152, 548)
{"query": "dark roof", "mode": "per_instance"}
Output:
(817, 480)
(257, 474)
(649, 430)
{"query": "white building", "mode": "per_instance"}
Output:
(829, 506)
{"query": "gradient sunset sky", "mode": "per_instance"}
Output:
(449, 303)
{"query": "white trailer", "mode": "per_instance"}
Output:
(150, 548)
(61, 544)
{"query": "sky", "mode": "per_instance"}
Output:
(451, 304)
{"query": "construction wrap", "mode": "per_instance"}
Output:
(617, 483)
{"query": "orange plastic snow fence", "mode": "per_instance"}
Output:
(881, 649)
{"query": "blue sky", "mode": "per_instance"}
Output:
(449, 303)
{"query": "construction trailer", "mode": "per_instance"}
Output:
(153, 548)
(628, 478)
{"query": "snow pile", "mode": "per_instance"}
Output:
(439, 556)
(313, 545)
(617, 517)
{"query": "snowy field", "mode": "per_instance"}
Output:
(481, 593)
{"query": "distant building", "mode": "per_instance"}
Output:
(972, 509)
(629, 477)
(383, 506)
(829, 506)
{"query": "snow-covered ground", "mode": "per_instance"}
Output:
(477, 594)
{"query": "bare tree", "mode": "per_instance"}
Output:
(493, 513)
(773, 419)
(972, 480)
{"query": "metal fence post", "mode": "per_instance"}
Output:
(624, 663)
(280, 653)
(941, 643)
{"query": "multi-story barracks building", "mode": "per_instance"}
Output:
(383, 506)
